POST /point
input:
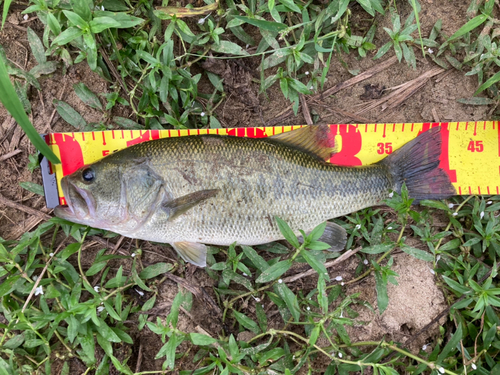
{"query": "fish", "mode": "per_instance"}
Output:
(202, 190)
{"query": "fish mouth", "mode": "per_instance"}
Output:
(80, 203)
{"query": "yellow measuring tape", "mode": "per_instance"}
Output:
(470, 150)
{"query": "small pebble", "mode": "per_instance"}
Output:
(365, 261)
(340, 355)
(489, 202)
(51, 255)
(202, 114)
(26, 17)
(450, 205)
(481, 215)
(38, 290)
(100, 308)
(441, 370)
(474, 367)
(455, 213)
(280, 281)
(96, 288)
(338, 278)
(391, 194)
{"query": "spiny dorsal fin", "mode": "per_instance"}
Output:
(313, 139)
(180, 205)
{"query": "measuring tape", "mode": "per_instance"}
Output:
(470, 150)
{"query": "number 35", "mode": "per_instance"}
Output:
(384, 148)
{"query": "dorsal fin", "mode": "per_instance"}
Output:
(317, 140)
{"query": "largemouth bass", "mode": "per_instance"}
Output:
(197, 190)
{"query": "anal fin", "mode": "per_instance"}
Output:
(192, 252)
(334, 235)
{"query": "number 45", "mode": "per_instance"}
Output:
(475, 146)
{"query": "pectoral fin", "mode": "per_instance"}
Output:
(192, 252)
(334, 235)
(182, 204)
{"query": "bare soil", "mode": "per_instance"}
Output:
(413, 303)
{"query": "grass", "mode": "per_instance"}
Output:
(55, 310)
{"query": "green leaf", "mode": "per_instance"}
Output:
(75, 19)
(67, 36)
(69, 250)
(291, 5)
(451, 345)
(383, 50)
(476, 101)
(45, 68)
(492, 80)
(126, 123)
(469, 26)
(229, 47)
(460, 289)
(155, 270)
(87, 96)
(261, 317)
(287, 232)
(318, 266)
(381, 287)
(34, 188)
(126, 21)
(201, 340)
(69, 115)
(53, 23)
(6, 6)
(99, 24)
(261, 24)
(290, 299)
(112, 313)
(450, 245)
(36, 46)
(107, 332)
(246, 322)
(255, 258)
(12, 103)
(417, 253)
(7, 286)
(275, 271)
(377, 249)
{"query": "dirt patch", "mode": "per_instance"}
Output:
(413, 303)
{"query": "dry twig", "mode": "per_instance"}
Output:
(334, 262)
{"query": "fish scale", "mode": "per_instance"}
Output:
(258, 180)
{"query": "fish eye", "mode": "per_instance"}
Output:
(88, 175)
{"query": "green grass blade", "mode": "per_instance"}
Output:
(469, 26)
(6, 6)
(415, 10)
(9, 99)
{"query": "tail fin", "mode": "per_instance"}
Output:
(416, 164)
